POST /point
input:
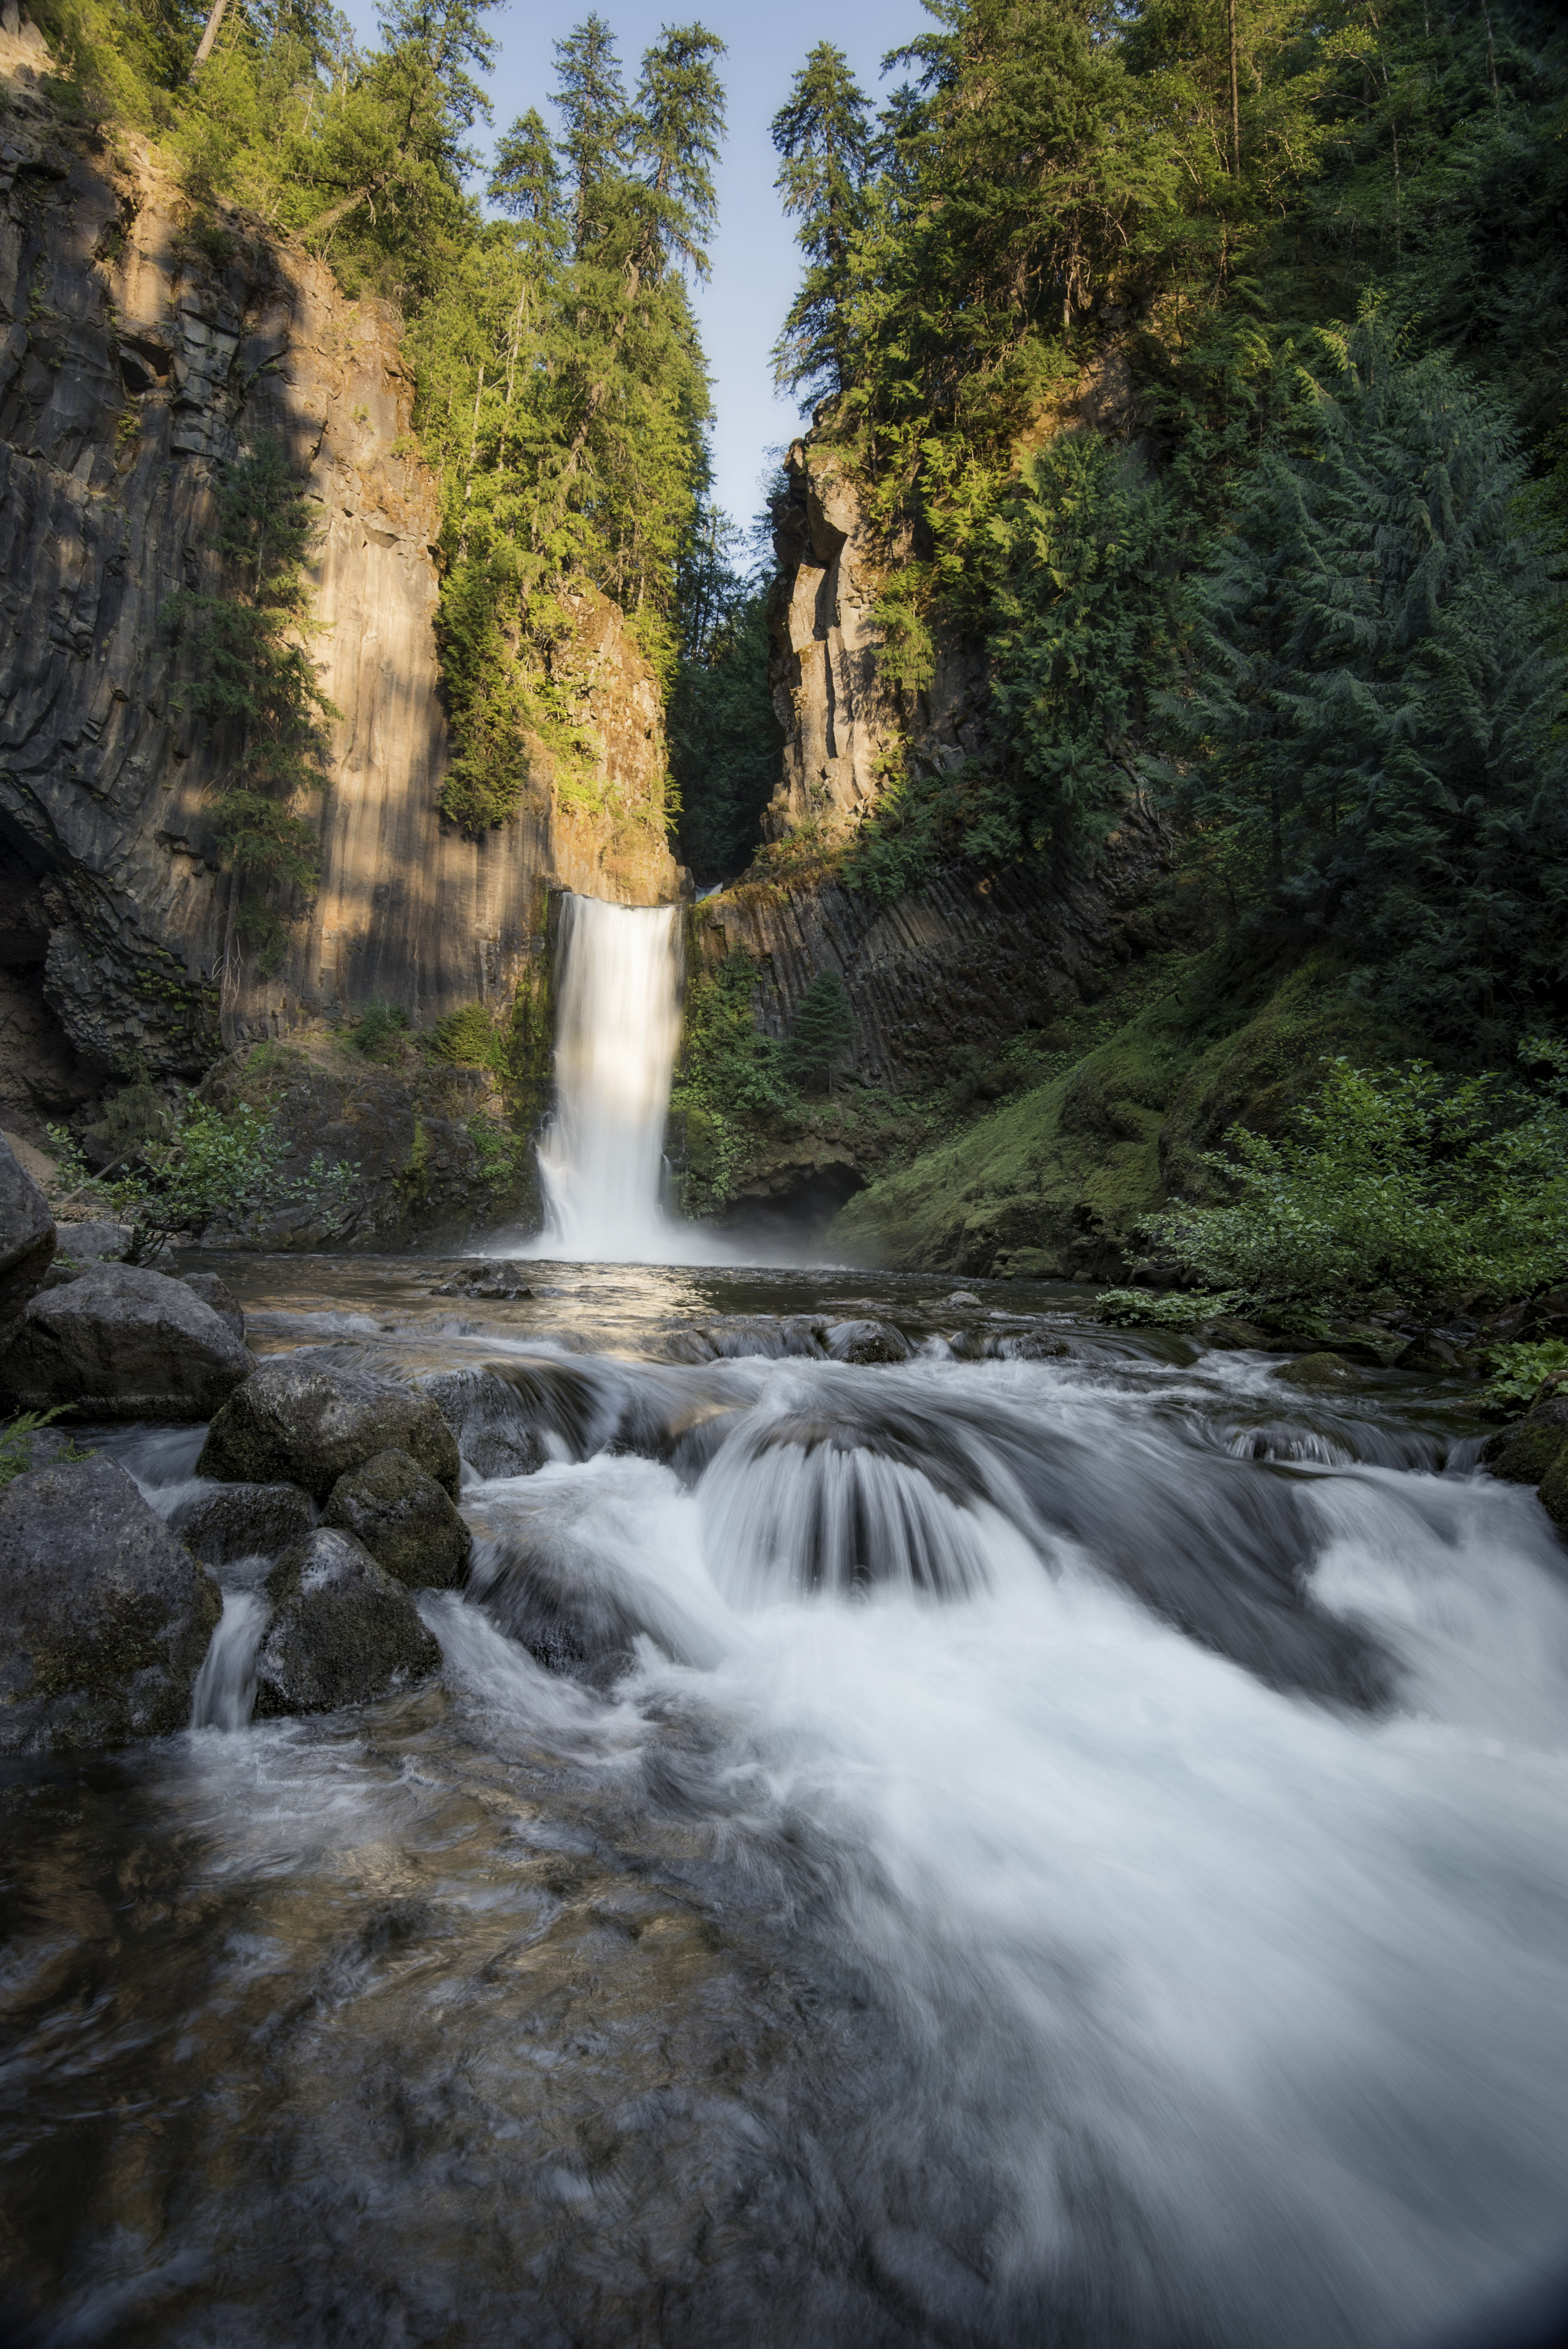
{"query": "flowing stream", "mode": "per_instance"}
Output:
(1056, 1841)
(616, 1032)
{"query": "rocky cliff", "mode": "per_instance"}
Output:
(143, 346)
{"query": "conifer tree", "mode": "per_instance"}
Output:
(821, 1032)
(258, 686)
(823, 133)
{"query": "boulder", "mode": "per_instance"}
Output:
(1553, 1492)
(962, 1297)
(866, 1342)
(483, 1280)
(26, 1238)
(122, 1342)
(1232, 1335)
(1524, 1453)
(343, 1630)
(298, 1422)
(242, 1521)
(104, 1615)
(405, 1520)
(222, 1301)
(1320, 1374)
(84, 1246)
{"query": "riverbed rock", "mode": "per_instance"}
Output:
(26, 1239)
(104, 1615)
(866, 1342)
(344, 1630)
(1525, 1452)
(123, 1342)
(221, 1299)
(1319, 1373)
(237, 1521)
(405, 1520)
(294, 1421)
(1554, 1491)
(486, 1280)
(81, 1247)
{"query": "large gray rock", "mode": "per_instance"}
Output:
(26, 1238)
(222, 1301)
(405, 1519)
(294, 1421)
(867, 1341)
(80, 1248)
(344, 1630)
(104, 1616)
(122, 1342)
(243, 1521)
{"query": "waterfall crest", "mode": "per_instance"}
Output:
(616, 1034)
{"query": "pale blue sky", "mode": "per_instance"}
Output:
(754, 255)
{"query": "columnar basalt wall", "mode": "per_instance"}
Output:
(141, 350)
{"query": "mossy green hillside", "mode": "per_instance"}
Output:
(1055, 1184)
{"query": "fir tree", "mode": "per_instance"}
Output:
(824, 136)
(258, 686)
(821, 1032)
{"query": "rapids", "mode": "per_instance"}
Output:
(1058, 1841)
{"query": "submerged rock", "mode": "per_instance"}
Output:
(242, 1521)
(26, 1238)
(294, 1421)
(487, 1281)
(344, 1629)
(123, 1342)
(104, 1615)
(866, 1342)
(510, 1416)
(405, 1520)
(1319, 1373)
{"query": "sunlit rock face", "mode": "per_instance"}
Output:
(140, 359)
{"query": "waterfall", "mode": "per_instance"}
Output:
(616, 1032)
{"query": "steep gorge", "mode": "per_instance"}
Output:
(144, 344)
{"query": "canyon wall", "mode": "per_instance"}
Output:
(143, 348)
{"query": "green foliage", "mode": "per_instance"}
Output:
(468, 1039)
(501, 1151)
(823, 134)
(924, 820)
(1398, 1180)
(1518, 1373)
(378, 1034)
(724, 733)
(730, 1076)
(822, 1033)
(17, 1443)
(1372, 698)
(205, 1164)
(1171, 1308)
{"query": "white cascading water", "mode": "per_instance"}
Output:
(616, 1032)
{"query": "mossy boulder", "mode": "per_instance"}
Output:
(1553, 1489)
(297, 1421)
(104, 1615)
(1526, 1453)
(123, 1342)
(344, 1630)
(405, 1520)
(242, 1521)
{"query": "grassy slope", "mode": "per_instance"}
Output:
(1055, 1184)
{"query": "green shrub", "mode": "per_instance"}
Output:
(1171, 1309)
(820, 1033)
(210, 1165)
(467, 1039)
(500, 1150)
(378, 1030)
(16, 1442)
(1398, 1179)
(1519, 1372)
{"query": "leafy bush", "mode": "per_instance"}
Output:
(1519, 1372)
(378, 1030)
(207, 1165)
(499, 1149)
(1398, 1179)
(467, 1039)
(1171, 1309)
(17, 1446)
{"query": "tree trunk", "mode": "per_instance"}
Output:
(209, 34)
(1235, 97)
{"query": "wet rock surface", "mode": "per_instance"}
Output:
(486, 1280)
(219, 1298)
(293, 1421)
(26, 1239)
(242, 1521)
(104, 1614)
(123, 1342)
(1532, 1452)
(405, 1519)
(866, 1342)
(343, 1631)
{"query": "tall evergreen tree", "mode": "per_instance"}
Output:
(823, 133)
